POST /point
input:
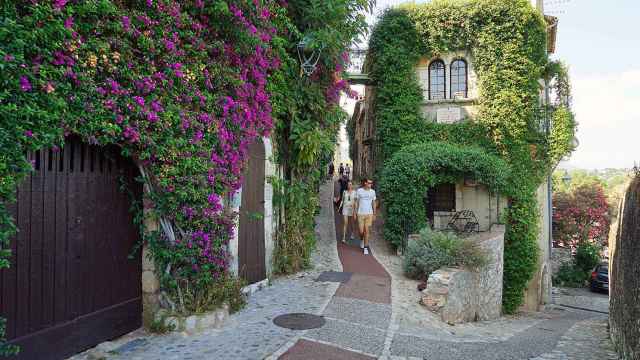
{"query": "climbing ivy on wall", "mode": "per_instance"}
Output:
(307, 114)
(507, 41)
(414, 168)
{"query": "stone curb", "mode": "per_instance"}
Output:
(195, 323)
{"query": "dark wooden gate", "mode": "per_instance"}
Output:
(72, 283)
(251, 229)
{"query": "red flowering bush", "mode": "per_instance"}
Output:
(581, 215)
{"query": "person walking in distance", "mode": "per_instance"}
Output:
(341, 170)
(331, 170)
(365, 212)
(347, 171)
(347, 208)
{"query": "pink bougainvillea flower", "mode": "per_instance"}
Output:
(139, 100)
(169, 45)
(8, 58)
(59, 4)
(131, 134)
(197, 137)
(152, 116)
(156, 106)
(28, 133)
(25, 85)
(68, 22)
(126, 23)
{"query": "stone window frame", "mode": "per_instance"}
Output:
(444, 79)
(466, 77)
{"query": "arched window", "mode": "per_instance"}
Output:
(437, 80)
(458, 78)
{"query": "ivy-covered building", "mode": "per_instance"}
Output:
(456, 117)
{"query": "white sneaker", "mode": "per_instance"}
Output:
(343, 240)
(366, 251)
(361, 244)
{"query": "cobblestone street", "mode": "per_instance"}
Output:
(373, 313)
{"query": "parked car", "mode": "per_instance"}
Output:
(600, 278)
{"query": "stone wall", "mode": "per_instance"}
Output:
(538, 292)
(624, 276)
(559, 256)
(150, 281)
(461, 295)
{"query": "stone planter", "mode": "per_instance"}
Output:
(460, 295)
(194, 323)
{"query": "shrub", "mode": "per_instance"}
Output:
(576, 273)
(208, 297)
(587, 257)
(570, 276)
(434, 250)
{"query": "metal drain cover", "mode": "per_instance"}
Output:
(299, 321)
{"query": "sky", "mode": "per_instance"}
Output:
(600, 42)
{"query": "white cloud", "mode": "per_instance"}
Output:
(607, 108)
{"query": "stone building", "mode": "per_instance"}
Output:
(450, 95)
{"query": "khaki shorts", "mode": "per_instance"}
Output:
(365, 222)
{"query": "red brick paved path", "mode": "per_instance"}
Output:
(369, 282)
(311, 350)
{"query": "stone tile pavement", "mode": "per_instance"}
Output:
(374, 313)
(250, 333)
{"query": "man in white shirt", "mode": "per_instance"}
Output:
(365, 211)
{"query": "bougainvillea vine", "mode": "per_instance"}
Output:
(178, 85)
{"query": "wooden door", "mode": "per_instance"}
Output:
(72, 282)
(251, 248)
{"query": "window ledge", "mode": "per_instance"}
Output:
(471, 101)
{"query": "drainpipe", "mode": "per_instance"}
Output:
(549, 188)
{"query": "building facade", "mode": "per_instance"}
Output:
(450, 95)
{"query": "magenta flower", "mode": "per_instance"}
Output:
(197, 137)
(28, 133)
(139, 100)
(156, 106)
(169, 45)
(152, 116)
(126, 23)
(25, 85)
(8, 58)
(68, 22)
(59, 4)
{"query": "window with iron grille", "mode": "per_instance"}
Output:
(459, 78)
(437, 80)
(442, 198)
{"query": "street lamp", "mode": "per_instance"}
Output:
(308, 56)
(566, 178)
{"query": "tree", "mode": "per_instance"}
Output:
(581, 215)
